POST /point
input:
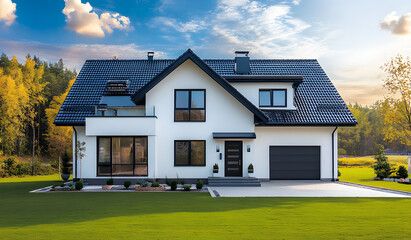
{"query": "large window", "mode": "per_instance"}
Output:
(189, 153)
(122, 156)
(189, 106)
(273, 98)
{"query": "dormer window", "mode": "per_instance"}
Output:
(273, 98)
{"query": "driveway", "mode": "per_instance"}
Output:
(303, 189)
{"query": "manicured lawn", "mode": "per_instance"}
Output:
(365, 176)
(367, 161)
(54, 177)
(186, 215)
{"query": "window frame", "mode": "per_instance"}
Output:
(189, 153)
(272, 97)
(111, 157)
(189, 105)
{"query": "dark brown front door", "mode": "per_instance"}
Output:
(233, 159)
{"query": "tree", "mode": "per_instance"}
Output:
(382, 168)
(58, 138)
(396, 109)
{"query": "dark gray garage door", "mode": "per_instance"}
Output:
(294, 163)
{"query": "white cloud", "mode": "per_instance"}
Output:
(81, 19)
(397, 24)
(191, 26)
(7, 11)
(74, 55)
(266, 30)
(296, 2)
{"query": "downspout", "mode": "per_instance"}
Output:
(332, 152)
(75, 154)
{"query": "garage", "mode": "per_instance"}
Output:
(295, 162)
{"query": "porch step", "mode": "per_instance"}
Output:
(233, 182)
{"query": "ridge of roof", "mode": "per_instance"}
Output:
(189, 54)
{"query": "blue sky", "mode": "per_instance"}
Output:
(351, 39)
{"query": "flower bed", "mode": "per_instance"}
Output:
(140, 188)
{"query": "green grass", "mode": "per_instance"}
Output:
(366, 175)
(367, 161)
(188, 215)
(54, 177)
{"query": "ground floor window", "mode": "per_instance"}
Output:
(189, 153)
(122, 156)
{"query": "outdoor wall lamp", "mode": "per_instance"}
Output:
(248, 148)
(217, 148)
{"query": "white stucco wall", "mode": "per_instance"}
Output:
(223, 114)
(251, 92)
(294, 136)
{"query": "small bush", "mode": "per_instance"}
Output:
(215, 166)
(155, 184)
(339, 173)
(199, 184)
(168, 182)
(127, 184)
(110, 181)
(187, 187)
(79, 185)
(250, 167)
(402, 172)
(173, 185)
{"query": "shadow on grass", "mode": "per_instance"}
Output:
(20, 208)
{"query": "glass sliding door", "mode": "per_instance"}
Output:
(122, 156)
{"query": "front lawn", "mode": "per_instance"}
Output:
(368, 161)
(366, 175)
(186, 215)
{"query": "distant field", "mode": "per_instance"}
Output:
(367, 161)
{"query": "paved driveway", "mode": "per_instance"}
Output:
(302, 189)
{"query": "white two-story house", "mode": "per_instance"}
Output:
(177, 118)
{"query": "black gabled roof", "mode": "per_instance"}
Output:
(189, 54)
(316, 99)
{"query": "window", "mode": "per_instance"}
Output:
(122, 156)
(189, 106)
(273, 98)
(189, 153)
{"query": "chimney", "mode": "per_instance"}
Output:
(150, 56)
(242, 62)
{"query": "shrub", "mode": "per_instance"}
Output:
(199, 184)
(215, 166)
(182, 182)
(339, 173)
(155, 184)
(127, 184)
(187, 187)
(110, 181)
(66, 166)
(381, 168)
(342, 151)
(173, 185)
(250, 167)
(79, 185)
(168, 182)
(402, 172)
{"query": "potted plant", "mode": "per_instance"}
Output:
(109, 183)
(251, 170)
(65, 170)
(215, 170)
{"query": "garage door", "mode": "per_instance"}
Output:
(294, 163)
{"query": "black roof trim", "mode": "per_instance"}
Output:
(234, 135)
(295, 79)
(69, 124)
(189, 54)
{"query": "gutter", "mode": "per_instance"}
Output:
(75, 154)
(332, 152)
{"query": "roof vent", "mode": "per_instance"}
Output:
(242, 62)
(117, 86)
(150, 56)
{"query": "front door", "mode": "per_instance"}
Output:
(233, 158)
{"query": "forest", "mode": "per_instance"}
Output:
(32, 92)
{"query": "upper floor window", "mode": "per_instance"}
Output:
(273, 98)
(189, 106)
